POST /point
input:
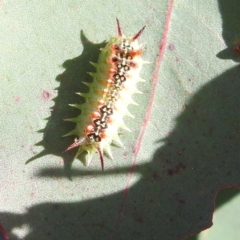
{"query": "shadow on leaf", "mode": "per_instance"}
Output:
(71, 81)
(174, 197)
(231, 29)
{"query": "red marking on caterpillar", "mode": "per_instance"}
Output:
(115, 80)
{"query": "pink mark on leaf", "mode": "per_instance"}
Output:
(149, 22)
(17, 99)
(171, 47)
(46, 95)
(125, 154)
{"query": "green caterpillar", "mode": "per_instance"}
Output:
(115, 80)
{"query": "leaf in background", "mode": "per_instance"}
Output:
(189, 149)
(225, 219)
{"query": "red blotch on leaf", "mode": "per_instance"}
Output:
(17, 99)
(171, 47)
(237, 48)
(46, 95)
(177, 169)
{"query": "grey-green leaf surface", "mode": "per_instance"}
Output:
(189, 149)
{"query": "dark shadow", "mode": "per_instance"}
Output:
(230, 29)
(174, 197)
(71, 81)
(229, 11)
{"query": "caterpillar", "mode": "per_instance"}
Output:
(115, 80)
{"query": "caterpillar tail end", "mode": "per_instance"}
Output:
(85, 155)
(75, 144)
